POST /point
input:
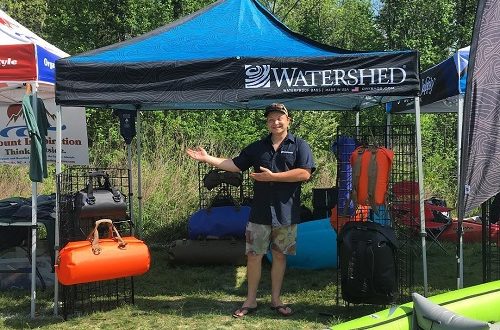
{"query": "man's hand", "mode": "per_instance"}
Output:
(265, 175)
(199, 154)
(293, 175)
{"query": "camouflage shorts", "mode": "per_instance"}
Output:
(260, 237)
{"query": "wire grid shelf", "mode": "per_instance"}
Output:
(81, 299)
(401, 139)
(74, 179)
(224, 192)
(101, 295)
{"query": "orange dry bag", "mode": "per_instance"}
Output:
(338, 220)
(371, 167)
(102, 259)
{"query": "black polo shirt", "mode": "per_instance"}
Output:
(276, 203)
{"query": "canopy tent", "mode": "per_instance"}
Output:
(442, 87)
(480, 160)
(234, 54)
(442, 91)
(26, 58)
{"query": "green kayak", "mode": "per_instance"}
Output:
(480, 302)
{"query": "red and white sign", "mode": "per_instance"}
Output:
(16, 63)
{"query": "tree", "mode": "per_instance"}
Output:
(465, 12)
(347, 24)
(31, 14)
(435, 28)
(98, 23)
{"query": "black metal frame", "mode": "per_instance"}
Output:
(490, 246)
(401, 139)
(241, 195)
(101, 295)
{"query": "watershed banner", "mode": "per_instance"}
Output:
(234, 83)
(15, 141)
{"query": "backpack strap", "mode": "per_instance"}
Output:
(372, 178)
(356, 172)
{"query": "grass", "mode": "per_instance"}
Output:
(182, 297)
(203, 297)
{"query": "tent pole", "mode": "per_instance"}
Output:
(58, 196)
(34, 195)
(34, 220)
(130, 188)
(388, 130)
(357, 123)
(421, 191)
(460, 232)
(139, 177)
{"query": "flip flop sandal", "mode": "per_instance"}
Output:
(281, 310)
(244, 311)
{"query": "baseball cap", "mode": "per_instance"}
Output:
(276, 107)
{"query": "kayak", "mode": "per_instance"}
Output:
(473, 232)
(479, 302)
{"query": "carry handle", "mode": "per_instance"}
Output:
(107, 185)
(94, 236)
(98, 173)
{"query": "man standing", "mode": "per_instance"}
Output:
(281, 162)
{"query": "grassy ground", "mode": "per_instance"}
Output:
(203, 297)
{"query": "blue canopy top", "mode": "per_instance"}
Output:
(232, 54)
(229, 28)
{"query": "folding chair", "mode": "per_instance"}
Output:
(406, 210)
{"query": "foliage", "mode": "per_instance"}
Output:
(332, 22)
(32, 14)
(435, 28)
(98, 23)
(439, 141)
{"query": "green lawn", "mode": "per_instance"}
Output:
(203, 297)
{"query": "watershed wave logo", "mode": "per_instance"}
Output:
(265, 76)
(257, 76)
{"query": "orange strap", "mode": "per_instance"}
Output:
(356, 172)
(372, 178)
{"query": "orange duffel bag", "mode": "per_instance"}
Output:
(371, 168)
(99, 259)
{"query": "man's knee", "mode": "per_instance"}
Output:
(278, 256)
(254, 258)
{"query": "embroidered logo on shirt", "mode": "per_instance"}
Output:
(286, 152)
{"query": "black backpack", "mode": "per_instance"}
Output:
(368, 263)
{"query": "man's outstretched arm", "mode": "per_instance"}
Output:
(201, 155)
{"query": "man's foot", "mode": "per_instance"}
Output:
(283, 310)
(241, 312)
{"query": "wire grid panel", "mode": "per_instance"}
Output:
(401, 139)
(224, 192)
(101, 295)
(75, 179)
(86, 298)
(490, 245)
